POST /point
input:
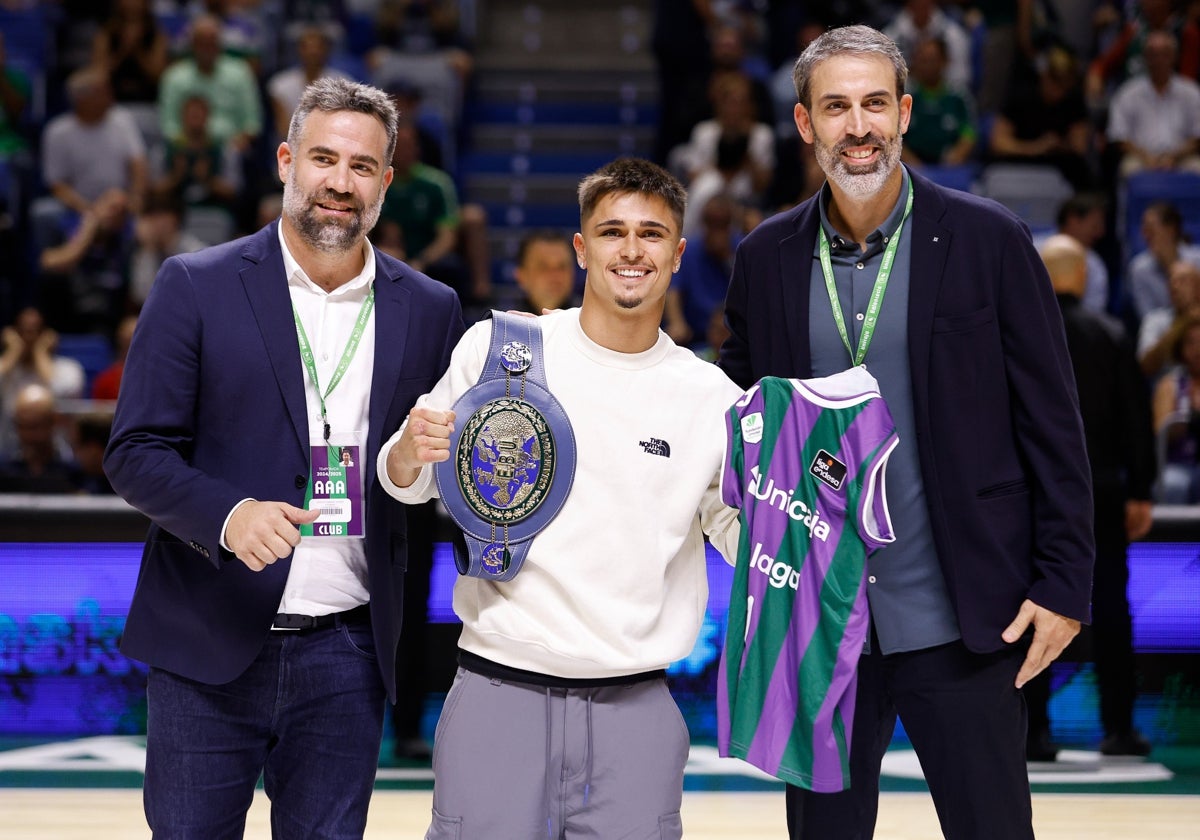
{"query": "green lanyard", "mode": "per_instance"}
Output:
(876, 302)
(306, 353)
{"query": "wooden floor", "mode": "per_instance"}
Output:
(400, 815)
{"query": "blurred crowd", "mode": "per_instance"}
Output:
(1083, 116)
(133, 130)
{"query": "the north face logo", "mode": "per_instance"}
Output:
(654, 446)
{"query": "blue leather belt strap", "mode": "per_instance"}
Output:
(512, 454)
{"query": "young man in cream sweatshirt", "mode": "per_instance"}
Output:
(559, 722)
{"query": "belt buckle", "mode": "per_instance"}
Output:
(308, 623)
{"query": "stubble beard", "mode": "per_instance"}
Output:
(858, 182)
(327, 235)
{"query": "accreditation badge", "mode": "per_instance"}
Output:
(335, 488)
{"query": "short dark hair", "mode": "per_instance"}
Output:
(331, 94)
(1078, 206)
(540, 235)
(846, 40)
(629, 175)
(1168, 214)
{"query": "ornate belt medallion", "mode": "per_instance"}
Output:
(513, 458)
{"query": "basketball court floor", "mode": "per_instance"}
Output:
(89, 789)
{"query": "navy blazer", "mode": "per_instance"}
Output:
(212, 411)
(999, 438)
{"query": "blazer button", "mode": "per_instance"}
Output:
(301, 482)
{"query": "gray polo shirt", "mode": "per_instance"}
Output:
(910, 608)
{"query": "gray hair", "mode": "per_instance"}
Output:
(846, 40)
(330, 95)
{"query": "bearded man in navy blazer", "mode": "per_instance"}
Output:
(268, 604)
(989, 491)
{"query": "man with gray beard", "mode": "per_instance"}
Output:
(943, 297)
(261, 380)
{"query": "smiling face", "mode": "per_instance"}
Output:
(630, 245)
(335, 181)
(855, 123)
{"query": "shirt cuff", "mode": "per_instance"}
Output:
(421, 490)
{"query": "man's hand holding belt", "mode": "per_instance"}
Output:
(425, 440)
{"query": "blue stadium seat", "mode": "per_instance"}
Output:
(28, 35)
(961, 177)
(90, 350)
(1032, 191)
(1142, 188)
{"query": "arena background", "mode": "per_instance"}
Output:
(72, 708)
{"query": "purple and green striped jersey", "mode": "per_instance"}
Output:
(805, 465)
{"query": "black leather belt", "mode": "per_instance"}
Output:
(289, 622)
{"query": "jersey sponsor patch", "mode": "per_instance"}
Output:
(752, 427)
(828, 469)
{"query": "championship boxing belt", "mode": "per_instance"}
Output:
(512, 455)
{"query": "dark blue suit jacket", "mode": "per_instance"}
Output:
(998, 432)
(212, 411)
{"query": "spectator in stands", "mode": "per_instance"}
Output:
(1120, 444)
(1123, 58)
(423, 202)
(1177, 420)
(132, 47)
(683, 60)
(90, 437)
(107, 384)
(1162, 229)
(1161, 328)
(158, 234)
(388, 237)
(783, 89)
(84, 269)
(1082, 217)
(227, 83)
(545, 272)
(698, 287)
(425, 26)
(407, 98)
(14, 96)
(29, 358)
(197, 167)
(1049, 123)
(88, 153)
(727, 57)
(286, 86)
(942, 129)
(920, 20)
(733, 153)
(243, 28)
(1154, 117)
(423, 43)
(16, 184)
(1006, 49)
(36, 465)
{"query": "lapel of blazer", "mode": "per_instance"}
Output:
(930, 248)
(393, 310)
(795, 273)
(267, 290)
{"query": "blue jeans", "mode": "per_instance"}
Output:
(307, 715)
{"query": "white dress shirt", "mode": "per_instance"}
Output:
(329, 574)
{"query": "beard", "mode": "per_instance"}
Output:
(332, 236)
(858, 181)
